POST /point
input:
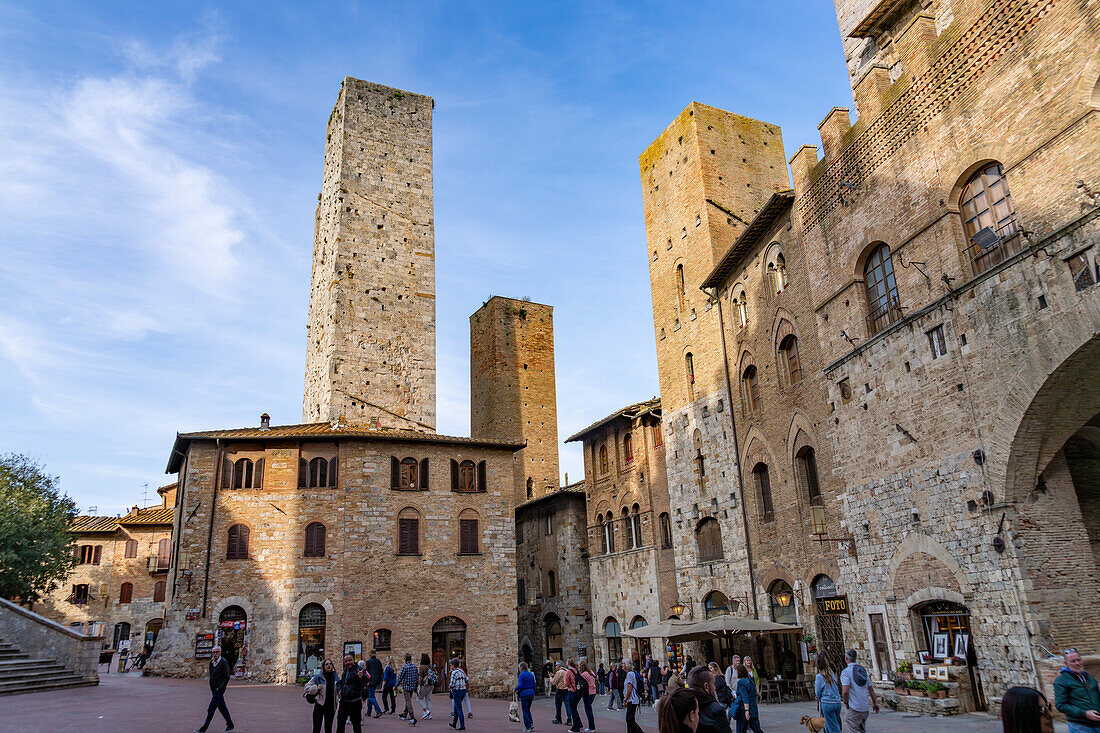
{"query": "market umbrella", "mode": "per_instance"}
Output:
(663, 630)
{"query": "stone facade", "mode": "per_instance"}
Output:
(553, 591)
(512, 387)
(631, 562)
(364, 583)
(370, 343)
(946, 250)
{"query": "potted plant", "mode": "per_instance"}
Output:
(916, 688)
(934, 689)
(905, 670)
(899, 686)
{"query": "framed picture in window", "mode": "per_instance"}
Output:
(962, 645)
(939, 646)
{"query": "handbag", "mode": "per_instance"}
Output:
(513, 709)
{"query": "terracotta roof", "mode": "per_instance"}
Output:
(773, 209)
(166, 488)
(329, 431)
(639, 408)
(94, 524)
(576, 489)
(156, 515)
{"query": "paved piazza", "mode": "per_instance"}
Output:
(122, 704)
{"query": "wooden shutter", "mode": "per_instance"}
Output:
(409, 535)
(467, 531)
(481, 484)
(454, 475)
(424, 474)
(158, 592)
(98, 554)
(126, 593)
(303, 473)
(258, 475)
(332, 473)
(76, 554)
(227, 473)
(232, 542)
(395, 473)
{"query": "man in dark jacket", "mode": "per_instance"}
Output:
(352, 684)
(712, 716)
(374, 679)
(1076, 694)
(219, 680)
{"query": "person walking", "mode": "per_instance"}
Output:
(858, 694)
(754, 673)
(587, 693)
(1075, 694)
(747, 714)
(723, 693)
(323, 689)
(466, 698)
(654, 680)
(572, 695)
(678, 712)
(389, 684)
(601, 678)
(616, 678)
(352, 682)
(712, 714)
(374, 679)
(547, 676)
(458, 685)
(525, 690)
(632, 697)
(408, 679)
(827, 691)
(1025, 710)
(428, 678)
(219, 680)
(558, 683)
(731, 671)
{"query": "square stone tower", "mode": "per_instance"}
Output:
(512, 391)
(370, 345)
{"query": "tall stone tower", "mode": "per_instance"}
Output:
(370, 346)
(512, 392)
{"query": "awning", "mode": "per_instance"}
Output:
(719, 626)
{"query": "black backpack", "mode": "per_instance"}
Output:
(582, 684)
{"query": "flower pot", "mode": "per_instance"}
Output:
(901, 690)
(939, 695)
(917, 693)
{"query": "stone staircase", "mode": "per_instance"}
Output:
(21, 673)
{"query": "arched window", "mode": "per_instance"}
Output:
(463, 476)
(242, 474)
(666, 530)
(636, 525)
(806, 464)
(551, 584)
(715, 604)
(237, 546)
(741, 308)
(530, 487)
(882, 289)
(628, 449)
(603, 458)
(317, 473)
(126, 593)
(789, 349)
(762, 482)
(311, 638)
(614, 634)
(408, 532)
(708, 536)
(315, 540)
(689, 371)
(552, 626)
(409, 474)
(603, 533)
(382, 640)
(680, 286)
(750, 389)
(988, 216)
(469, 537)
(628, 529)
(158, 591)
(609, 532)
(782, 603)
(776, 269)
(131, 548)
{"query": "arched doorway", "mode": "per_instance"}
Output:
(944, 627)
(552, 631)
(641, 645)
(448, 642)
(152, 631)
(232, 627)
(311, 638)
(830, 633)
(122, 633)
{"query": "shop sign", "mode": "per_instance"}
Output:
(193, 614)
(204, 646)
(232, 624)
(834, 606)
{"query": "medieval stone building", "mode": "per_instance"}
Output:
(920, 313)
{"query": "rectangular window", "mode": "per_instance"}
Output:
(409, 536)
(937, 343)
(468, 537)
(519, 533)
(80, 594)
(658, 436)
(1081, 271)
(521, 592)
(549, 524)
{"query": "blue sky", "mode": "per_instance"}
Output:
(159, 169)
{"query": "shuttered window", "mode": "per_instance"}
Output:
(463, 476)
(763, 491)
(158, 591)
(468, 536)
(408, 536)
(709, 536)
(237, 548)
(315, 540)
(126, 593)
(131, 548)
(317, 473)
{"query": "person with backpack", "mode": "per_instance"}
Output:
(572, 696)
(586, 693)
(321, 692)
(858, 694)
(601, 678)
(428, 678)
(722, 692)
(374, 679)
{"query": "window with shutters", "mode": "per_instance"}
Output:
(521, 592)
(468, 535)
(408, 532)
(708, 535)
(131, 548)
(603, 459)
(628, 449)
(408, 474)
(666, 530)
(989, 218)
(315, 540)
(750, 389)
(628, 530)
(317, 473)
(658, 436)
(382, 640)
(763, 484)
(80, 594)
(551, 584)
(237, 546)
(467, 479)
(244, 473)
(159, 591)
(85, 554)
(806, 463)
(788, 349)
(126, 593)
(164, 550)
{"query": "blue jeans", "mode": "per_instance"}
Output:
(831, 712)
(1078, 728)
(457, 718)
(372, 701)
(587, 699)
(571, 700)
(525, 705)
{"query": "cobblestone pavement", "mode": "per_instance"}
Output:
(124, 703)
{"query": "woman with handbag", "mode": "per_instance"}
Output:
(321, 691)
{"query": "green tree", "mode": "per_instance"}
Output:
(36, 547)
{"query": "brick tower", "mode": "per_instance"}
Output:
(370, 345)
(512, 392)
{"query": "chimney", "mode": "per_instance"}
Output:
(566, 478)
(134, 510)
(265, 422)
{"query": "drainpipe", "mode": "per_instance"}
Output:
(210, 528)
(736, 450)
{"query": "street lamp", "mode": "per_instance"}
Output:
(678, 608)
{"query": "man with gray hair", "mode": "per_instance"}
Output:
(1077, 695)
(858, 694)
(219, 680)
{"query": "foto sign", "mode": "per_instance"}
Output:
(834, 605)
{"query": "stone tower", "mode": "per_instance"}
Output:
(512, 392)
(370, 346)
